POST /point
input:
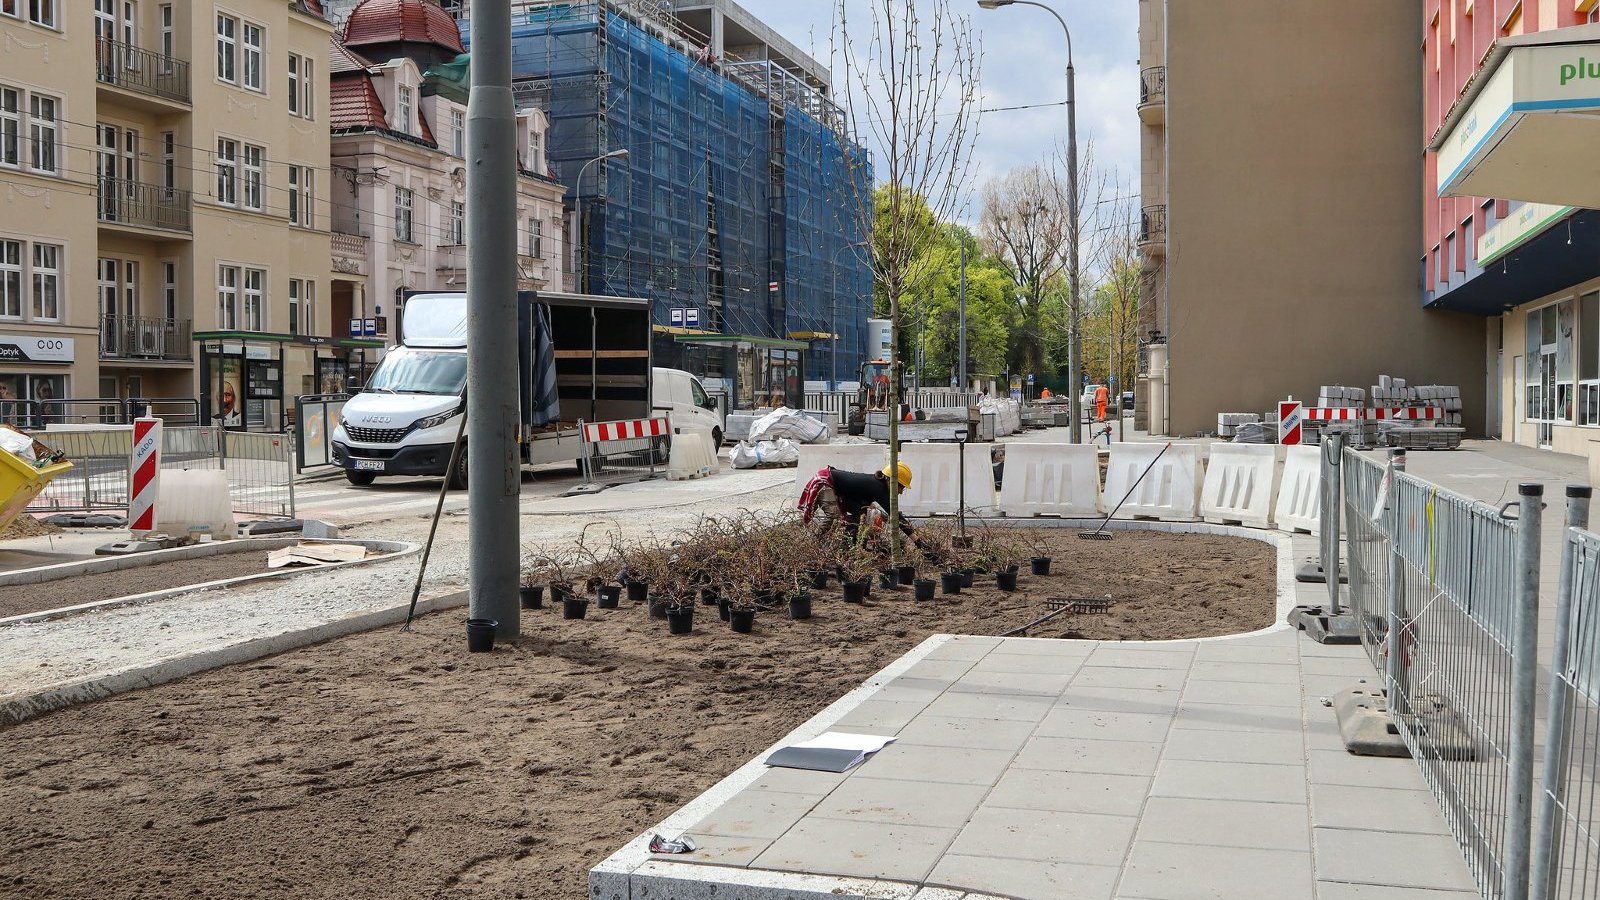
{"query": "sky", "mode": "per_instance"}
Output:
(1024, 61)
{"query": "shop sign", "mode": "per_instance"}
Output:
(16, 348)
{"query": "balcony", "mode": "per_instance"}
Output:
(1153, 230)
(139, 205)
(142, 72)
(1153, 95)
(146, 338)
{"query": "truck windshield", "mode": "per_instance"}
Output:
(407, 371)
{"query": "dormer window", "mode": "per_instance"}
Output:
(402, 109)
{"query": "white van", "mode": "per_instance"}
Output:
(685, 401)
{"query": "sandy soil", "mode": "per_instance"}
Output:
(15, 601)
(27, 526)
(396, 765)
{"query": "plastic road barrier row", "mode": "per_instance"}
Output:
(1299, 506)
(1240, 484)
(1051, 480)
(1171, 489)
(936, 484)
(849, 457)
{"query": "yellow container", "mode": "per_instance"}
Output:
(20, 483)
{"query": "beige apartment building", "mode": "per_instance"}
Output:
(1280, 177)
(164, 168)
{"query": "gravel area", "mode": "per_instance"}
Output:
(15, 601)
(27, 526)
(396, 765)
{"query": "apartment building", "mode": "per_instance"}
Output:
(399, 170)
(1510, 232)
(164, 166)
(1279, 159)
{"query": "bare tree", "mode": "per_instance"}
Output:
(1026, 223)
(910, 80)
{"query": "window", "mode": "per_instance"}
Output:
(294, 306)
(302, 211)
(47, 281)
(227, 297)
(169, 291)
(42, 134)
(307, 109)
(254, 301)
(536, 151)
(536, 239)
(402, 215)
(10, 127)
(294, 85)
(164, 17)
(299, 86)
(458, 133)
(169, 162)
(9, 8)
(253, 41)
(254, 159)
(227, 171)
(1589, 359)
(10, 279)
(227, 48)
(402, 114)
(130, 286)
(302, 312)
(458, 223)
(43, 12)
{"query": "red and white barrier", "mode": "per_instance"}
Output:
(145, 467)
(1410, 413)
(1335, 414)
(1384, 413)
(629, 430)
(1289, 422)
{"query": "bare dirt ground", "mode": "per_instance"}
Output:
(391, 765)
(16, 600)
(27, 526)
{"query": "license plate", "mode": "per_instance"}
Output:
(368, 465)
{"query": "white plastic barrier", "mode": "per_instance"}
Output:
(1170, 491)
(1300, 496)
(1051, 480)
(692, 455)
(936, 487)
(849, 457)
(190, 497)
(1240, 484)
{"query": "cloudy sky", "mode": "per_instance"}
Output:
(1024, 61)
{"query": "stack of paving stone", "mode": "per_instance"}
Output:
(1228, 423)
(1442, 433)
(1337, 396)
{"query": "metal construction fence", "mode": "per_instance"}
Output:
(42, 414)
(1445, 591)
(260, 467)
(636, 446)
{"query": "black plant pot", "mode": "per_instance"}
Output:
(723, 606)
(888, 578)
(1005, 581)
(766, 597)
(819, 579)
(638, 591)
(924, 588)
(559, 591)
(742, 620)
(532, 596)
(658, 609)
(1013, 568)
(574, 607)
(950, 582)
(856, 591)
(680, 619)
(800, 606)
(908, 574)
(968, 577)
(480, 635)
(708, 596)
(607, 596)
(1041, 565)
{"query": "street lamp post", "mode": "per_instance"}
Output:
(833, 323)
(1074, 342)
(583, 217)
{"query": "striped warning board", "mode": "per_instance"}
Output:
(1289, 422)
(632, 429)
(1356, 414)
(144, 467)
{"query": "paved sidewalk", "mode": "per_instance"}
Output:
(1069, 769)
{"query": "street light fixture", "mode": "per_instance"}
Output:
(583, 217)
(1074, 338)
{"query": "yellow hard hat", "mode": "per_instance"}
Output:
(902, 475)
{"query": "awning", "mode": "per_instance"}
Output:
(735, 339)
(1527, 125)
(273, 338)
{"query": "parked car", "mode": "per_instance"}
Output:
(684, 399)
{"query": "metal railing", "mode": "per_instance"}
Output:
(142, 71)
(1445, 591)
(1153, 85)
(1153, 224)
(124, 202)
(41, 414)
(145, 337)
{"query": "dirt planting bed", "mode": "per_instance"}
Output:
(25, 526)
(397, 765)
(16, 600)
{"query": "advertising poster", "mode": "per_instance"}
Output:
(226, 395)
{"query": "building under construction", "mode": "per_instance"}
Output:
(736, 209)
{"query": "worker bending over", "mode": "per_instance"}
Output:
(838, 495)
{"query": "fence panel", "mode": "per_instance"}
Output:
(1434, 582)
(260, 471)
(98, 480)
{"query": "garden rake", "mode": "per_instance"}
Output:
(1100, 534)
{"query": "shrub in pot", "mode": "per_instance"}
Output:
(950, 582)
(680, 619)
(924, 588)
(1040, 565)
(742, 618)
(531, 592)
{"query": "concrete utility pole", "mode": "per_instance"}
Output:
(495, 478)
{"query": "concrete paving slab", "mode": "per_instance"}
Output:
(1137, 678)
(1260, 673)
(881, 716)
(1124, 656)
(1026, 878)
(1243, 693)
(859, 849)
(797, 781)
(1119, 700)
(1343, 806)
(1112, 795)
(722, 850)
(1231, 823)
(1010, 684)
(1246, 653)
(1032, 663)
(1208, 780)
(978, 734)
(1227, 717)
(937, 765)
(964, 647)
(1046, 647)
(912, 690)
(755, 814)
(1235, 746)
(1158, 871)
(1339, 767)
(984, 706)
(1391, 858)
(1063, 754)
(1105, 725)
(946, 669)
(1332, 890)
(1045, 836)
(1356, 665)
(863, 799)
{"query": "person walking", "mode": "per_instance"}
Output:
(1101, 396)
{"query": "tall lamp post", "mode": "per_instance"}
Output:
(1074, 342)
(583, 217)
(833, 324)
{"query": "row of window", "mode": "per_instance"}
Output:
(243, 300)
(39, 12)
(242, 61)
(455, 224)
(30, 281)
(241, 171)
(29, 130)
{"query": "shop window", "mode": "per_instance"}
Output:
(1589, 359)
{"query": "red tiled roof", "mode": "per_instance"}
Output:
(314, 7)
(343, 61)
(427, 133)
(355, 104)
(391, 21)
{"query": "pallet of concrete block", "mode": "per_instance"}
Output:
(1228, 423)
(1256, 433)
(1446, 399)
(1391, 391)
(1340, 397)
(1412, 437)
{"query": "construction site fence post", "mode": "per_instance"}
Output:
(1544, 877)
(1524, 682)
(1396, 653)
(1332, 452)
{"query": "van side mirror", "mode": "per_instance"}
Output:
(352, 384)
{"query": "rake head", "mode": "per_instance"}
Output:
(1096, 535)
